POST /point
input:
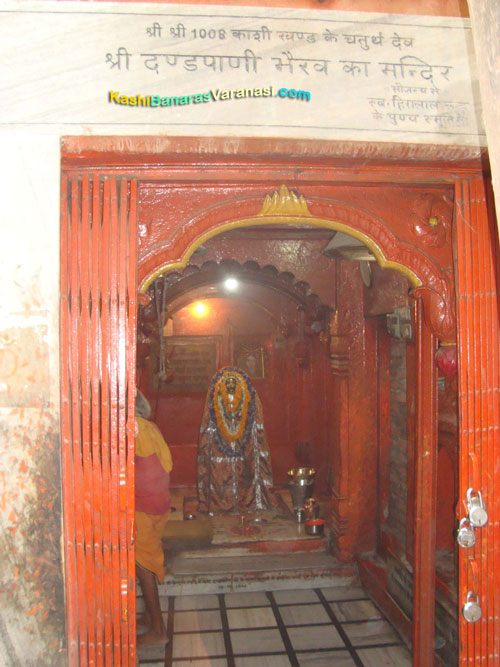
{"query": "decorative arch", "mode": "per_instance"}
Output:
(285, 207)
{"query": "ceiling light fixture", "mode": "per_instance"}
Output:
(231, 284)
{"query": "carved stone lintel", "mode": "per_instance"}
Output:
(415, 258)
(439, 308)
(431, 218)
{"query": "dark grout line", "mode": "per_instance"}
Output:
(265, 606)
(225, 631)
(273, 627)
(323, 649)
(364, 620)
(191, 658)
(182, 611)
(384, 645)
(170, 631)
(283, 632)
(296, 604)
(339, 628)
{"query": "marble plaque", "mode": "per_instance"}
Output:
(126, 68)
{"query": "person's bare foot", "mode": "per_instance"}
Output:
(152, 638)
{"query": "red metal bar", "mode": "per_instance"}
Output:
(424, 566)
(131, 372)
(66, 438)
(76, 416)
(122, 402)
(494, 412)
(112, 361)
(494, 403)
(95, 374)
(480, 363)
(84, 373)
(105, 428)
(462, 273)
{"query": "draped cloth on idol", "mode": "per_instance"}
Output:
(234, 465)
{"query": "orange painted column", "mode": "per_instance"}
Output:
(424, 560)
(479, 385)
(98, 329)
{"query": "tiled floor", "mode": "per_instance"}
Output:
(323, 627)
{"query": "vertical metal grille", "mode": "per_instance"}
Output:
(479, 384)
(98, 331)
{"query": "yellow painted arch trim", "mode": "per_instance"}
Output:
(284, 220)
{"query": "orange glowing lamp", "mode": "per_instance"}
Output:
(199, 309)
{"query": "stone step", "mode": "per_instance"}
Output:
(257, 572)
(251, 563)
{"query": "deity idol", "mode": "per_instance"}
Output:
(234, 465)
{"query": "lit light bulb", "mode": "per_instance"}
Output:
(199, 309)
(231, 284)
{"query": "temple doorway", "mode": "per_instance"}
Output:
(274, 301)
(174, 210)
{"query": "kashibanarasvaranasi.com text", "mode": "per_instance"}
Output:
(114, 96)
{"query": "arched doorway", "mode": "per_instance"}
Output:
(426, 273)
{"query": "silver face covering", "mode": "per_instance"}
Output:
(142, 405)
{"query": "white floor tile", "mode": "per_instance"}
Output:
(326, 659)
(386, 656)
(186, 602)
(286, 597)
(323, 636)
(248, 599)
(303, 614)
(334, 593)
(198, 646)
(356, 610)
(200, 619)
(149, 653)
(255, 617)
(372, 632)
(256, 641)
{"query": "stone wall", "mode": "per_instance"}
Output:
(398, 455)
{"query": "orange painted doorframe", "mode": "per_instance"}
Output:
(98, 343)
(104, 626)
(477, 266)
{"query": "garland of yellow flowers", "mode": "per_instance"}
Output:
(241, 398)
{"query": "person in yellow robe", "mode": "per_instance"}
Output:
(153, 463)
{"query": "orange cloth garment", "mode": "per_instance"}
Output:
(153, 464)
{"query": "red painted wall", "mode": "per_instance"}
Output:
(294, 399)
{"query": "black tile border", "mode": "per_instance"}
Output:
(339, 627)
(225, 630)
(170, 631)
(282, 629)
(289, 651)
(182, 611)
